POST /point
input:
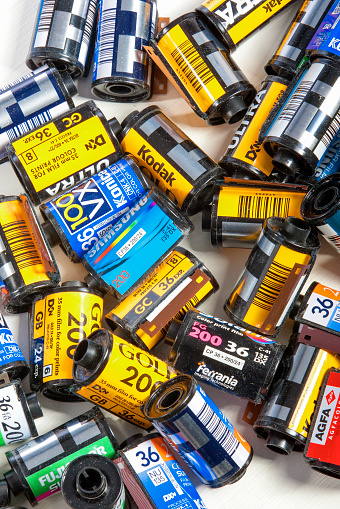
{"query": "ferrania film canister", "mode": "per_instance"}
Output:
(12, 361)
(79, 217)
(58, 322)
(169, 158)
(61, 153)
(273, 276)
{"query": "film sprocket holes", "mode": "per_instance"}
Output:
(180, 282)
(58, 322)
(55, 157)
(116, 375)
(62, 35)
(122, 69)
(12, 360)
(80, 217)
(27, 265)
(201, 69)
(37, 466)
(169, 158)
(285, 418)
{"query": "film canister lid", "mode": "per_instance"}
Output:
(93, 284)
(234, 109)
(322, 200)
(115, 127)
(50, 233)
(286, 161)
(13, 482)
(296, 307)
(277, 442)
(130, 440)
(4, 493)
(172, 332)
(296, 230)
(88, 354)
(69, 84)
(206, 218)
(34, 405)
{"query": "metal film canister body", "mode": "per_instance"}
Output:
(180, 282)
(62, 35)
(240, 207)
(201, 69)
(38, 465)
(116, 375)
(57, 323)
(330, 161)
(136, 245)
(55, 157)
(285, 419)
(273, 275)
(12, 361)
(245, 157)
(169, 158)
(122, 68)
(78, 218)
(31, 101)
(193, 425)
(27, 265)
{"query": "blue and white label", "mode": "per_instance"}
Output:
(9, 349)
(323, 311)
(330, 161)
(329, 22)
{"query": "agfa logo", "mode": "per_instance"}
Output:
(330, 397)
(98, 141)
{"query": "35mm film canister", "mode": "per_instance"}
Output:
(169, 158)
(12, 361)
(177, 284)
(201, 69)
(329, 21)
(239, 208)
(285, 418)
(62, 35)
(273, 275)
(62, 153)
(27, 265)
(80, 217)
(329, 45)
(122, 70)
(58, 322)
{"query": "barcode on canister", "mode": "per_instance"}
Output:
(89, 24)
(131, 242)
(28, 125)
(45, 22)
(22, 244)
(106, 40)
(261, 207)
(271, 286)
(331, 131)
(295, 101)
(192, 65)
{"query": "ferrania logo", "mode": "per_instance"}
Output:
(330, 397)
(157, 167)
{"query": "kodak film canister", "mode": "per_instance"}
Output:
(285, 418)
(79, 217)
(159, 463)
(58, 322)
(199, 432)
(245, 157)
(239, 208)
(93, 481)
(180, 282)
(202, 70)
(322, 446)
(116, 375)
(12, 361)
(27, 265)
(321, 208)
(55, 157)
(169, 158)
(136, 245)
(122, 70)
(38, 465)
(224, 355)
(330, 161)
(32, 101)
(274, 274)
(62, 35)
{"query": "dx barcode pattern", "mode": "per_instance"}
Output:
(261, 207)
(218, 429)
(271, 286)
(22, 244)
(192, 65)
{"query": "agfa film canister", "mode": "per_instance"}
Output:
(62, 35)
(180, 282)
(38, 465)
(239, 208)
(193, 425)
(27, 265)
(58, 321)
(224, 355)
(55, 157)
(116, 375)
(122, 70)
(12, 361)
(80, 217)
(273, 275)
(136, 244)
(285, 418)
(201, 69)
(169, 158)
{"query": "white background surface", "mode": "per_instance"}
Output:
(271, 479)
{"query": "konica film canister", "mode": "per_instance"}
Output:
(201, 69)
(80, 217)
(58, 322)
(330, 161)
(285, 418)
(62, 35)
(169, 158)
(27, 265)
(122, 70)
(239, 208)
(12, 361)
(55, 157)
(275, 272)
(199, 432)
